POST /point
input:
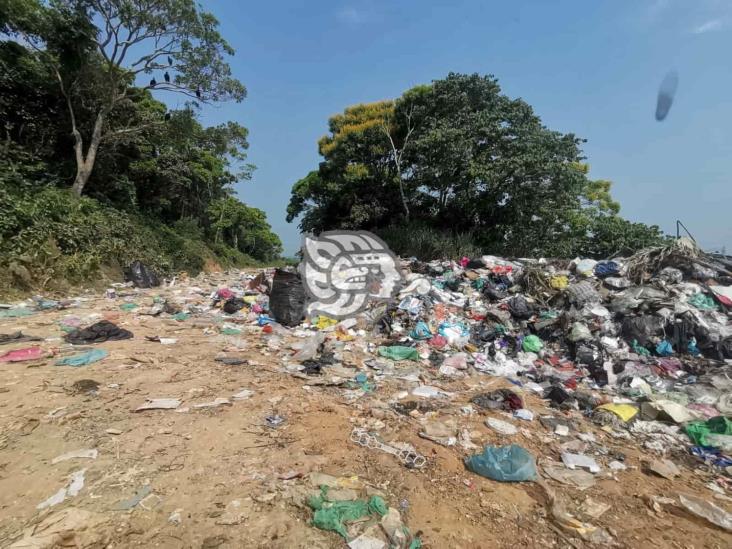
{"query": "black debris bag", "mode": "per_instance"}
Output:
(98, 333)
(233, 305)
(17, 337)
(520, 308)
(493, 291)
(141, 276)
(500, 399)
(475, 264)
(642, 328)
(287, 299)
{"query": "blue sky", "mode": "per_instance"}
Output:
(588, 67)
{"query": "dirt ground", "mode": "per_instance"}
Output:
(220, 477)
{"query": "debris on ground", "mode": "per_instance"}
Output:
(494, 401)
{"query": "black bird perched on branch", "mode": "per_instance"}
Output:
(167, 116)
(153, 83)
(166, 76)
(170, 61)
(198, 92)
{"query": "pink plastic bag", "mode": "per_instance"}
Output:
(19, 355)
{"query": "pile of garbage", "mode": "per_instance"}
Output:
(638, 347)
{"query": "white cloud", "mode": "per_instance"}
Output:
(709, 26)
(350, 15)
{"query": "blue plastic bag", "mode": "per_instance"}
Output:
(664, 348)
(83, 359)
(421, 331)
(606, 268)
(503, 463)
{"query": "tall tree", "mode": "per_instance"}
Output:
(97, 49)
(461, 157)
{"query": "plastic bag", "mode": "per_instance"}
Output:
(642, 328)
(582, 292)
(698, 431)
(559, 282)
(606, 268)
(287, 298)
(532, 344)
(585, 267)
(98, 333)
(20, 355)
(503, 463)
(664, 348)
(331, 515)
(399, 352)
(308, 349)
(579, 332)
(519, 307)
(83, 359)
(141, 276)
(703, 302)
(233, 305)
(421, 331)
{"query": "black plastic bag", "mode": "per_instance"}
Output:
(642, 328)
(233, 305)
(475, 264)
(98, 333)
(287, 299)
(520, 308)
(141, 276)
(493, 292)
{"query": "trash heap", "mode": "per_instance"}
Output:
(641, 347)
(563, 362)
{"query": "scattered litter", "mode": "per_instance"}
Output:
(98, 333)
(502, 427)
(21, 355)
(159, 404)
(409, 457)
(83, 359)
(131, 503)
(573, 461)
(76, 454)
(504, 463)
(76, 483)
(707, 510)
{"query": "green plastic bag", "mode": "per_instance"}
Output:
(83, 359)
(703, 302)
(399, 352)
(699, 430)
(504, 464)
(331, 515)
(532, 344)
(127, 307)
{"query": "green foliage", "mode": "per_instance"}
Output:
(243, 228)
(58, 237)
(473, 163)
(156, 172)
(424, 242)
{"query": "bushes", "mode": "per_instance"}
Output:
(48, 237)
(427, 243)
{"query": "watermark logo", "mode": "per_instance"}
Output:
(343, 270)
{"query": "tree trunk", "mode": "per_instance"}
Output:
(85, 164)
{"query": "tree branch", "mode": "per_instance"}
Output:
(125, 131)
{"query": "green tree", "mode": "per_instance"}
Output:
(357, 185)
(460, 157)
(244, 228)
(96, 49)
